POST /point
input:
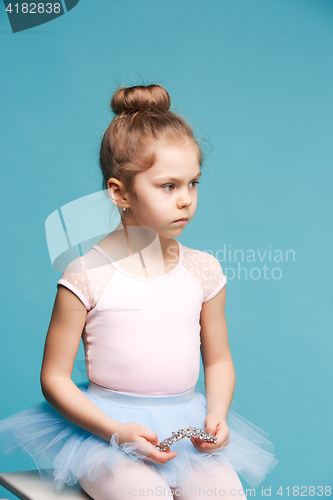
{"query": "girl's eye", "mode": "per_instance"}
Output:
(168, 185)
(171, 185)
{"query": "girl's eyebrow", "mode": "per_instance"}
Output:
(175, 179)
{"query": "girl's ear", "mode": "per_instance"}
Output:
(117, 192)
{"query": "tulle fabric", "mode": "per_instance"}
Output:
(67, 452)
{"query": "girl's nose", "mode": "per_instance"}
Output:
(184, 200)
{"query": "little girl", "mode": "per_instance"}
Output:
(145, 305)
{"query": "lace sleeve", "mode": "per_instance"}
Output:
(214, 279)
(75, 279)
(88, 277)
(206, 270)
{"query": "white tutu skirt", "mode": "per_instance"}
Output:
(67, 452)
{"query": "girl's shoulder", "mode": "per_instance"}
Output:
(87, 277)
(193, 255)
(206, 269)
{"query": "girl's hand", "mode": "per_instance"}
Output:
(146, 440)
(216, 425)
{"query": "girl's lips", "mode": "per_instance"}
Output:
(180, 221)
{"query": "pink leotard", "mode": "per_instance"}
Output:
(142, 335)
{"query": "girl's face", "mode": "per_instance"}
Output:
(167, 191)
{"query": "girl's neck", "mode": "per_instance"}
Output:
(125, 242)
(166, 244)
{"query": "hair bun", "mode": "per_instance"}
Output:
(140, 98)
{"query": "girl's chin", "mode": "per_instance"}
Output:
(178, 227)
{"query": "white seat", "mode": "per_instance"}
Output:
(28, 485)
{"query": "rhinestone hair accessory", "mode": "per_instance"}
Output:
(187, 432)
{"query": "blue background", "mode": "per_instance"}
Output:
(255, 77)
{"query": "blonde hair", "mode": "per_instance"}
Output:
(143, 122)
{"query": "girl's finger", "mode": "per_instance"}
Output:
(155, 455)
(163, 456)
(205, 446)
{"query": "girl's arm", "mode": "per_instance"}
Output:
(61, 345)
(220, 378)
